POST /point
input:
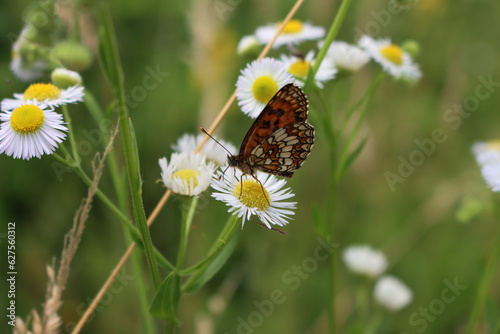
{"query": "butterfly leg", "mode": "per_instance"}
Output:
(272, 228)
(263, 190)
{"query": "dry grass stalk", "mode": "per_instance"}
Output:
(50, 322)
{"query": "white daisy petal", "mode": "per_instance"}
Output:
(30, 130)
(187, 173)
(294, 32)
(392, 58)
(45, 93)
(211, 150)
(299, 68)
(346, 57)
(391, 293)
(364, 260)
(258, 83)
(487, 155)
(253, 202)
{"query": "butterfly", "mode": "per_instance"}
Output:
(280, 139)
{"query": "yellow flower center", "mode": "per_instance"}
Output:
(41, 92)
(27, 119)
(494, 145)
(187, 175)
(264, 88)
(393, 53)
(292, 27)
(299, 69)
(253, 194)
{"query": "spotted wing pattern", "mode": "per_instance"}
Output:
(280, 139)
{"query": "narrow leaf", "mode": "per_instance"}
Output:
(207, 272)
(165, 301)
(352, 157)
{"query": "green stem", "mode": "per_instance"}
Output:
(334, 29)
(133, 229)
(231, 226)
(111, 65)
(352, 135)
(369, 92)
(71, 135)
(484, 286)
(188, 209)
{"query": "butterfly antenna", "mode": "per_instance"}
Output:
(215, 140)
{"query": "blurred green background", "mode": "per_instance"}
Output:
(415, 225)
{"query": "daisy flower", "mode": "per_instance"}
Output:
(364, 260)
(487, 152)
(299, 68)
(25, 69)
(246, 197)
(487, 155)
(294, 32)
(211, 150)
(187, 173)
(258, 83)
(30, 130)
(346, 57)
(391, 293)
(46, 93)
(392, 58)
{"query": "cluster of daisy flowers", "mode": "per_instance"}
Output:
(487, 156)
(389, 291)
(189, 174)
(30, 126)
(265, 195)
(261, 79)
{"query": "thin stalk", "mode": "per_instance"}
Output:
(71, 135)
(332, 182)
(484, 286)
(332, 33)
(232, 224)
(188, 209)
(114, 70)
(352, 135)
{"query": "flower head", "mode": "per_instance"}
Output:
(258, 83)
(391, 293)
(299, 68)
(187, 173)
(64, 78)
(392, 58)
(246, 197)
(346, 57)
(211, 150)
(30, 130)
(487, 155)
(294, 32)
(46, 93)
(248, 45)
(364, 260)
(24, 64)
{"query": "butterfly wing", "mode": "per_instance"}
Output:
(285, 150)
(289, 105)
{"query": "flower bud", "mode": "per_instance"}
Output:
(73, 55)
(64, 78)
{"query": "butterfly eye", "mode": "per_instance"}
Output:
(233, 161)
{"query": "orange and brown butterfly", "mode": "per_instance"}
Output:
(280, 139)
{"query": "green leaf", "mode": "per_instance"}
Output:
(319, 223)
(165, 301)
(207, 272)
(352, 157)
